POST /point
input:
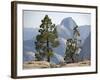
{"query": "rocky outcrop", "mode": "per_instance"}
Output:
(36, 64)
(45, 64)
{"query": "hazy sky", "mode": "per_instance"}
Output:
(32, 19)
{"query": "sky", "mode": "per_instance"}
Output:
(32, 19)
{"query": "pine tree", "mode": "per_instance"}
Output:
(70, 50)
(47, 39)
(72, 45)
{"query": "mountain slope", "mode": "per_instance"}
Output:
(84, 32)
(85, 54)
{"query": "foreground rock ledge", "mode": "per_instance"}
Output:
(36, 64)
(45, 64)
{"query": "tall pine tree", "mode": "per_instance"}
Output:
(47, 39)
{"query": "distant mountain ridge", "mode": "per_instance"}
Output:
(29, 33)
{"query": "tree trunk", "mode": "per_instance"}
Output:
(48, 57)
(72, 59)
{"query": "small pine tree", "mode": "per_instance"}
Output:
(72, 45)
(47, 39)
(70, 50)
